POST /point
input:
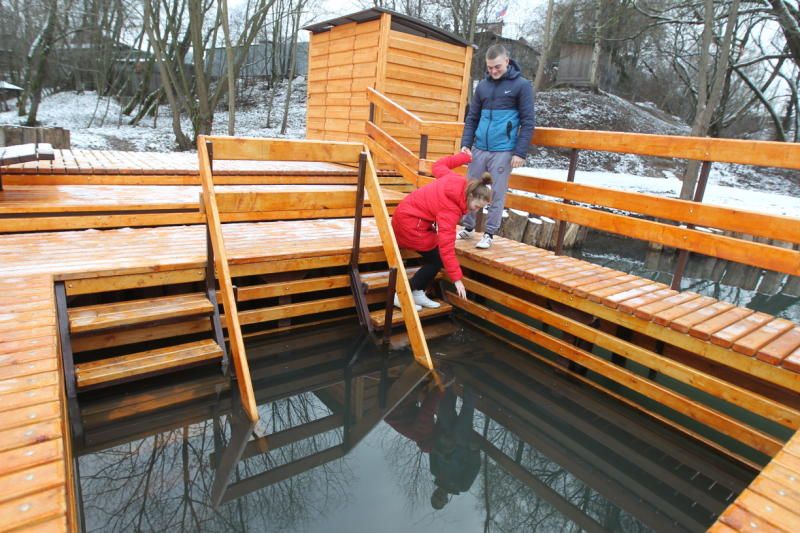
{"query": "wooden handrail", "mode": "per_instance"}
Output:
(238, 353)
(415, 334)
(779, 228)
(737, 250)
(776, 227)
(743, 152)
(395, 110)
(260, 149)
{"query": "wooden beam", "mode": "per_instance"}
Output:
(394, 110)
(259, 149)
(415, 334)
(737, 250)
(749, 222)
(286, 201)
(743, 152)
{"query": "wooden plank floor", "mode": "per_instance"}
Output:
(176, 168)
(770, 502)
(723, 330)
(35, 457)
(24, 199)
(153, 249)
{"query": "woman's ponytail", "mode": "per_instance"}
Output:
(480, 189)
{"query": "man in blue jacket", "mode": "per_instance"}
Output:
(497, 132)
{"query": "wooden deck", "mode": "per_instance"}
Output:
(770, 502)
(31, 261)
(27, 208)
(36, 479)
(108, 167)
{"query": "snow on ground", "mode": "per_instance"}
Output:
(98, 124)
(717, 194)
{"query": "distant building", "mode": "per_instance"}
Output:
(575, 66)
(521, 51)
(258, 63)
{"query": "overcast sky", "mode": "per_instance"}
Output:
(518, 11)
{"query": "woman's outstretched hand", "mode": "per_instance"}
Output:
(462, 292)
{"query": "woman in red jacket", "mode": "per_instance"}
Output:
(425, 221)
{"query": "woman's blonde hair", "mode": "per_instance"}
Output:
(479, 189)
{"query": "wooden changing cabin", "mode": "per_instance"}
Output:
(421, 67)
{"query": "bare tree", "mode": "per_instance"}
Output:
(708, 96)
(546, 44)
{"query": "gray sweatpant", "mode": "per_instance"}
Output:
(498, 164)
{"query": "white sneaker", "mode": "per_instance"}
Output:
(397, 302)
(485, 242)
(420, 298)
(464, 234)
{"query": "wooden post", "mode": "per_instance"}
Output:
(238, 353)
(683, 257)
(562, 225)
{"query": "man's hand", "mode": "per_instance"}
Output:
(516, 161)
(466, 150)
(462, 292)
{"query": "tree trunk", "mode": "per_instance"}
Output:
(40, 51)
(292, 61)
(594, 69)
(538, 82)
(708, 100)
(229, 61)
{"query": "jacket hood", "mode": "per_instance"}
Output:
(512, 72)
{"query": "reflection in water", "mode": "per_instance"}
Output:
(504, 444)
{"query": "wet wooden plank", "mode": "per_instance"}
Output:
(705, 330)
(104, 316)
(780, 348)
(648, 311)
(736, 518)
(34, 509)
(769, 511)
(728, 335)
(631, 305)
(110, 370)
(31, 481)
(665, 317)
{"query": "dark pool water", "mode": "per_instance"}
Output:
(530, 450)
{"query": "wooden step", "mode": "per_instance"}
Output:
(105, 372)
(435, 330)
(105, 316)
(380, 280)
(377, 317)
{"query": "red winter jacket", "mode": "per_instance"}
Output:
(443, 203)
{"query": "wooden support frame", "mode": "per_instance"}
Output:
(67, 360)
(758, 369)
(724, 424)
(707, 383)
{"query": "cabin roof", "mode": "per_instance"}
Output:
(400, 22)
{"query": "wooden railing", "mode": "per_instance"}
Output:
(216, 205)
(681, 216)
